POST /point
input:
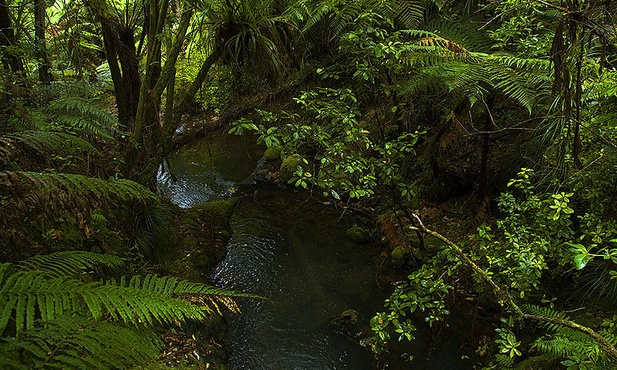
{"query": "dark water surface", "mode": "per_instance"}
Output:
(293, 250)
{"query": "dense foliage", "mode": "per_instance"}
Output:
(393, 107)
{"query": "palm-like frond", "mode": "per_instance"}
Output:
(60, 264)
(24, 188)
(26, 296)
(74, 342)
(81, 115)
(13, 146)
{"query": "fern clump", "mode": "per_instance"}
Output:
(32, 150)
(53, 317)
(81, 115)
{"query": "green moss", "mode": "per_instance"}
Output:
(400, 255)
(202, 236)
(290, 166)
(272, 154)
(220, 208)
(358, 234)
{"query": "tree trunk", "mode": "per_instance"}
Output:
(125, 112)
(187, 96)
(44, 63)
(145, 150)
(10, 58)
(129, 62)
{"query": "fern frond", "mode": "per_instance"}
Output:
(46, 141)
(408, 13)
(562, 346)
(504, 361)
(610, 337)
(536, 310)
(74, 342)
(14, 147)
(513, 85)
(68, 263)
(26, 295)
(541, 66)
(446, 44)
(80, 114)
(463, 31)
(49, 190)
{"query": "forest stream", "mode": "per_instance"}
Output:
(291, 247)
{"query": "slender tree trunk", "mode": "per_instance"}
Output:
(187, 96)
(125, 112)
(44, 63)
(10, 57)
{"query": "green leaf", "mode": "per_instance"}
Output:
(581, 260)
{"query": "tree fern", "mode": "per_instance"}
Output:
(474, 74)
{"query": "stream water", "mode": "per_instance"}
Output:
(291, 248)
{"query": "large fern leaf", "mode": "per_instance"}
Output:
(27, 295)
(18, 147)
(48, 190)
(81, 115)
(69, 263)
(45, 141)
(74, 342)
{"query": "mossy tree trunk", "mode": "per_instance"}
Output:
(145, 150)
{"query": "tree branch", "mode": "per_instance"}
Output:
(504, 298)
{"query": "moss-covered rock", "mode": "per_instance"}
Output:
(290, 166)
(358, 234)
(400, 255)
(202, 233)
(272, 154)
(346, 319)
